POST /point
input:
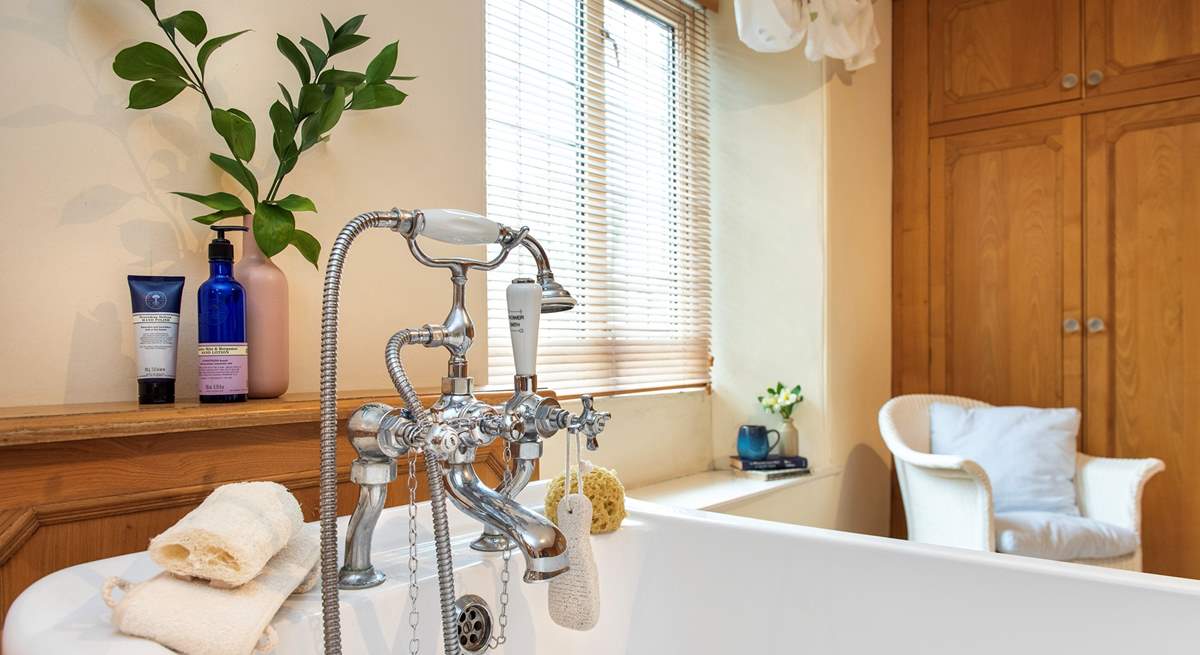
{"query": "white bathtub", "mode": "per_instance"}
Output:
(675, 581)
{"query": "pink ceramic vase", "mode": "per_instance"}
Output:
(266, 318)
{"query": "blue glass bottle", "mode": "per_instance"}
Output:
(221, 346)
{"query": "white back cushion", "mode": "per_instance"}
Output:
(1028, 453)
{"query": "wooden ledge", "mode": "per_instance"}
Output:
(56, 423)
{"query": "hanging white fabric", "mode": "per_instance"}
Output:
(839, 29)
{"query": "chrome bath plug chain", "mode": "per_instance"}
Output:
(506, 555)
(414, 615)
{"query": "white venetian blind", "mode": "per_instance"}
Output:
(597, 139)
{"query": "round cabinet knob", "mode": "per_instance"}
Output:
(1071, 325)
(1070, 80)
(1094, 77)
(1095, 324)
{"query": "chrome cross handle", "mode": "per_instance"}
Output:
(590, 422)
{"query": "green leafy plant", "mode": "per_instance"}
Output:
(780, 400)
(324, 94)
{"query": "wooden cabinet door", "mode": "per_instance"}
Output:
(991, 55)
(1006, 264)
(1140, 43)
(1143, 282)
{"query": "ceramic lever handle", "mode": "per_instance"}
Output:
(460, 227)
(524, 315)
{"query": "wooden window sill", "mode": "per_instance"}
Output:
(39, 424)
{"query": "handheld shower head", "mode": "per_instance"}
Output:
(554, 297)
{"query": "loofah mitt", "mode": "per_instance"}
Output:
(602, 488)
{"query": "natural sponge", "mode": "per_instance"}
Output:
(602, 488)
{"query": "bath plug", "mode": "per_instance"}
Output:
(602, 487)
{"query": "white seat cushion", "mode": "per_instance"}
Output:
(1060, 537)
(1028, 453)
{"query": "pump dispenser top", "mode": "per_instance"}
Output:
(221, 249)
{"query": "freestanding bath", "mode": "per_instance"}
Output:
(675, 582)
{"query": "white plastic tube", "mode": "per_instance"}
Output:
(460, 227)
(524, 315)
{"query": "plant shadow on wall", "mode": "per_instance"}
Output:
(309, 113)
(49, 23)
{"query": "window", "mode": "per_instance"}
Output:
(597, 139)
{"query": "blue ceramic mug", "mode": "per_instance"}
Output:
(753, 442)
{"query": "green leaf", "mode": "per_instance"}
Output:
(323, 121)
(402, 77)
(209, 219)
(237, 171)
(287, 160)
(308, 245)
(297, 203)
(374, 96)
(383, 64)
(288, 97)
(350, 27)
(220, 200)
(238, 131)
(189, 23)
(146, 61)
(348, 79)
(152, 93)
(285, 127)
(149, 4)
(346, 42)
(312, 97)
(211, 46)
(293, 54)
(329, 31)
(315, 54)
(310, 133)
(332, 111)
(273, 228)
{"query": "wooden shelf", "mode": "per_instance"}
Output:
(40, 424)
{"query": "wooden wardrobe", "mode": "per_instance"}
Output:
(1047, 226)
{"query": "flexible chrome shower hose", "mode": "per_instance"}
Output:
(437, 489)
(330, 614)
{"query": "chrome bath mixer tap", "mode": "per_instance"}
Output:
(449, 433)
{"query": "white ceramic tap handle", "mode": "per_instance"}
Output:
(524, 314)
(458, 226)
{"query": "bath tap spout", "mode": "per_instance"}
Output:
(544, 547)
(492, 540)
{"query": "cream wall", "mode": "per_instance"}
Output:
(858, 210)
(86, 185)
(768, 234)
(802, 272)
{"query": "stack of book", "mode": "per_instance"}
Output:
(771, 468)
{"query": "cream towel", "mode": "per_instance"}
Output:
(195, 618)
(231, 535)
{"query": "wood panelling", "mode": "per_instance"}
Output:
(66, 502)
(987, 250)
(910, 208)
(991, 55)
(1005, 264)
(1141, 43)
(1143, 214)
